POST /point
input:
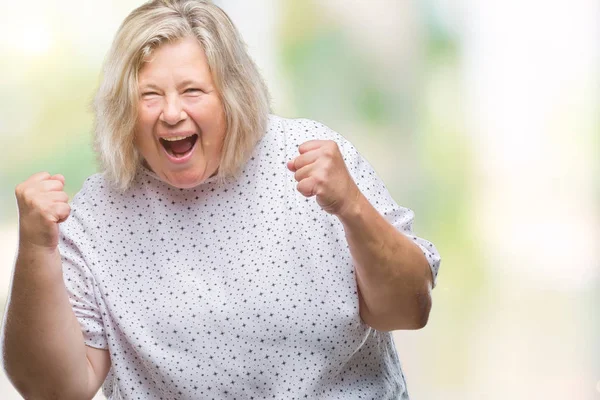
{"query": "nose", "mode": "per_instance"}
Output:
(172, 112)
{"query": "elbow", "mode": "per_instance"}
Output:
(423, 308)
(23, 386)
(29, 389)
(416, 315)
(15, 376)
(26, 390)
(417, 312)
(408, 315)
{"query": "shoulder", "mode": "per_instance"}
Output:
(295, 131)
(304, 129)
(94, 196)
(96, 187)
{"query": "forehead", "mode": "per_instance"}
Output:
(181, 59)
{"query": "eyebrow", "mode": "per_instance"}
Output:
(187, 82)
(147, 86)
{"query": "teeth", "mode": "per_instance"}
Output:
(175, 138)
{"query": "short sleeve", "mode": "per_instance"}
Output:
(81, 285)
(375, 191)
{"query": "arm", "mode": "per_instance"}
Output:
(393, 276)
(44, 354)
(43, 350)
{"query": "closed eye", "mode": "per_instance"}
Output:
(193, 90)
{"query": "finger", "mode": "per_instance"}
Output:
(58, 197)
(308, 186)
(290, 165)
(305, 172)
(311, 145)
(304, 160)
(58, 177)
(39, 177)
(51, 185)
(60, 212)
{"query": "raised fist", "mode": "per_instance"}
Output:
(42, 206)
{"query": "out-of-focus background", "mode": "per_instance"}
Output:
(482, 116)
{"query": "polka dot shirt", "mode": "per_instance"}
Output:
(236, 290)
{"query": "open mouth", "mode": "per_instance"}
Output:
(179, 147)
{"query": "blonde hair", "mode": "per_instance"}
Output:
(243, 92)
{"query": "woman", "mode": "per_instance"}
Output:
(191, 267)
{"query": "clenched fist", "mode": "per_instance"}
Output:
(42, 206)
(321, 171)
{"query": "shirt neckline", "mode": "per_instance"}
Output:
(151, 174)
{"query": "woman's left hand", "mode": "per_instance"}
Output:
(321, 171)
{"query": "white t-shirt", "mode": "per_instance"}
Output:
(243, 290)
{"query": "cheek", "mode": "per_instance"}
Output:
(142, 141)
(208, 109)
(144, 125)
(143, 129)
(147, 114)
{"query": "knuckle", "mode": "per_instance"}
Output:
(24, 190)
(19, 190)
(40, 176)
(28, 194)
(319, 178)
(60, 212)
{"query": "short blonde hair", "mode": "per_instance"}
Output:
(243, 92)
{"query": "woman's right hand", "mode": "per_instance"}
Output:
(42, 206)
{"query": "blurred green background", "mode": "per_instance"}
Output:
(482, 117)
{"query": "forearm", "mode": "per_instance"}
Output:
(43, 349)
(393, 275)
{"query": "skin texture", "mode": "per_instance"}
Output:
(56, 367)
(393, 276)
(177, 98)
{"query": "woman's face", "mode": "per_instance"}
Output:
(181, 122)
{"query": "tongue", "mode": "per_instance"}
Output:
(182, 146)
